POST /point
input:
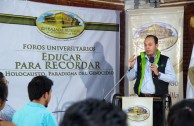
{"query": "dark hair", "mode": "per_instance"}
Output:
(154, 37)
(38, 86)
(3, 91)
(182, 113)
(93, 112)
(1, 75)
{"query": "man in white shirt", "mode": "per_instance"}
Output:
(153, 73)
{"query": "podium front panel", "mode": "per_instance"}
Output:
(139, 110)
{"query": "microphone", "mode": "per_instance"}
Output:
(151, 60)
(106, 96)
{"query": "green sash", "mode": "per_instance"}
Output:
(143, 64)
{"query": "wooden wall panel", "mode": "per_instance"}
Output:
(107, 4)
(122, 50)
(174, 1)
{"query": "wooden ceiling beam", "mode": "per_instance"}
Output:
(103, 4)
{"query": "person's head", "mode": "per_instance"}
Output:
(181, 114)
(93, 112)
(151, 45)
(3, 79)
(3, 94)
(39, 89)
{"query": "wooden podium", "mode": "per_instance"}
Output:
(165, 101)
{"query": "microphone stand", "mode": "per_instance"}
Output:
(57, 111)
(116, 84)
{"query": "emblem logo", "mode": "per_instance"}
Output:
(60, 24)
(167, 35)
(137, 113)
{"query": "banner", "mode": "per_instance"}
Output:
(77, 48)
(167, 25)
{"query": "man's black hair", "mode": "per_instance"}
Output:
(38, 86)
(92, 112)
(181, 114)
(154, 37)
(1, 75)
(3, 91)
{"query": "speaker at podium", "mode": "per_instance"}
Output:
(140, 109)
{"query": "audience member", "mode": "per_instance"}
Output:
(93, 112)
(8, 111)
(182, 113)
(35, 113)
(3, 98)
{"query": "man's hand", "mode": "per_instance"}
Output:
(154, 68)
(132, 61)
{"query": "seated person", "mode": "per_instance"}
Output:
(7, 112)
(93, 112)
(35, 113)
(181, 114)
(3, 98)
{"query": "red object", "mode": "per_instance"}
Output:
(1, 119)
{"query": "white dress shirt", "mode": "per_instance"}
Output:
(148, 84)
